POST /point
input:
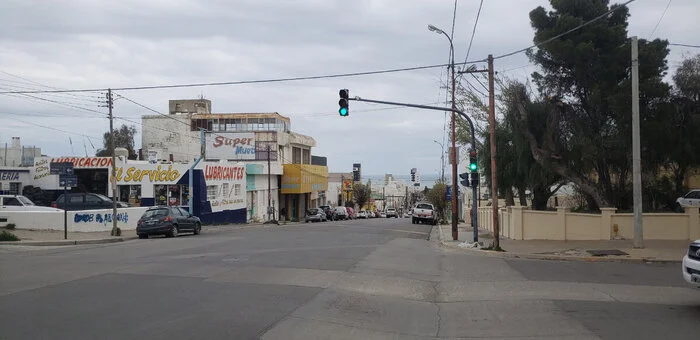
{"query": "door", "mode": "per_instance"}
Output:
(179, 219)
(190, 219)
(75, 202)
(694, 199)
(95, 202)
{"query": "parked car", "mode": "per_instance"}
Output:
(424, 213)
(340, 213)
(86, 201)
(20, 203)
(691, 264)
(328, 210)
(691, 199)
(362, 214)
(391, 212)
(315, 215)
(168, 221)
(351, 213)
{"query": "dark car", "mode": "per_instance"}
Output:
(168, 221)
(328, 210)
(85, 201)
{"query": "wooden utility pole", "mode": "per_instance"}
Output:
(494, 179)
(113, 178)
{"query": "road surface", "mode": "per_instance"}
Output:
(363, 279)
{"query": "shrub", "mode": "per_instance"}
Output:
(10, 226)
(8, 236)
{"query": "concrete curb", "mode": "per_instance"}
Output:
(552, 257)
(68, 242)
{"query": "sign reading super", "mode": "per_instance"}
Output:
(230, 146)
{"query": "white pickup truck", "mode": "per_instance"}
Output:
(424, 213)
(20, 203)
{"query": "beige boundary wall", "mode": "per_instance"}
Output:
(520, 223)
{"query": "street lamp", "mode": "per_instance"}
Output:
(442, 160)
(453, 152)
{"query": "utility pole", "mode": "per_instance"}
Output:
(113, 180)
(636, 153)
(494, 179)
(269, 190)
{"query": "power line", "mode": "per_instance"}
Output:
(243, 82)
(651, 35)
(481, 3)
(686, 45)
(56, 129)
(565, 33)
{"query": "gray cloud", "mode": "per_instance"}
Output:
(86, 44)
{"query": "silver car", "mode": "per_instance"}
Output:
(315, 215)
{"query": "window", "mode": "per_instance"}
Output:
(184, 212)
(211, 192)
(76, 199)
(12, 201)
(236, 189)
(306, 156)
(15, 188)
(25, 200)
(93, 199)
(296, 155)
(225, 189)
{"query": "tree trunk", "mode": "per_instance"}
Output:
(522, 197)
(510, 199)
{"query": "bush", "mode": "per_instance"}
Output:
(8, 236)
(10, 226)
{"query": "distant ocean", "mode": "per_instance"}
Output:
(426, 180)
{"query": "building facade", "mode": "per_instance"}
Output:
(15, 154)
(263, 142)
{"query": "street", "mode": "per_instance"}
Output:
(359, 279)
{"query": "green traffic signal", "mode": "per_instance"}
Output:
(472, 160)
(344, 102)
(472, 166)
(343, 111)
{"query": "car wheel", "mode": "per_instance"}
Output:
(143, 236)
(413, 221)
(197, 229)
(174, 231)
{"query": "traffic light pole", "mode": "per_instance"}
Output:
(454, 173)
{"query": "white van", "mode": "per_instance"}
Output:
(20, 203)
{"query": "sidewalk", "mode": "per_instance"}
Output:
(55, 238)
(653, 251)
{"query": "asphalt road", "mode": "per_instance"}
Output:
(365, 279)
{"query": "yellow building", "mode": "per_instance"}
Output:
(302, 187)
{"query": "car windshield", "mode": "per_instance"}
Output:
(313, 211)
(25, 200)
(155, 213)
(424, 206)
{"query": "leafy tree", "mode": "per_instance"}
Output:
(586, 138)
(361, 194)
(437, 196)
(123, 138)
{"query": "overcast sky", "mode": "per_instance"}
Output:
(98, 44)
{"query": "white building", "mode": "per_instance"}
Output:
(335, 187)
(250, 138)
(14, 154)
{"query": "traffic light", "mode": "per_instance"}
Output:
(475, 179)
(344, 103)
(413, 177)
(472, 161)
(465, 179)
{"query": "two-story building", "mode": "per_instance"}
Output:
(280, 174)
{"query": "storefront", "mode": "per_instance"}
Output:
(13, 179)
(303, 185)
(218, 191)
